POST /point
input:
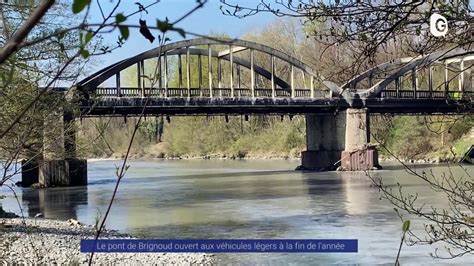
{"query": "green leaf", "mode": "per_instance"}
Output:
(119, 18)
(163, 25)
(79, 5)
(85, 53)
(88, 37)
(124, 32)
(406, 225)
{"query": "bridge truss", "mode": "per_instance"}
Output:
(215, 76)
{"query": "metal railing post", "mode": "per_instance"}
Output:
(231, 72)
(446, 77)
(139, 78)
(160, 78)
(165, 66)
(461, 75)
(200, 75)
(252, 74)
(209, 69)
(238, 78)
(293, 89)
(180, 72)
(117, 84)
(414, 82)
(188, 71)
(219, 76)
(430, 81)
(273, 75)
(398, 84)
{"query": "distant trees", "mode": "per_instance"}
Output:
(369, 26)
(441, 134)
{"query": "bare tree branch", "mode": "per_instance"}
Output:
(12, 45)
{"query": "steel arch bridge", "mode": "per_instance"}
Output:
(231, 76)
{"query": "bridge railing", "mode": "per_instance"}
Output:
(206, 92)
(107, 92)
(424, 94)
(267, 93)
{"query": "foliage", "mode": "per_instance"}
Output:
(25, 139)
(415, 137)
(196, 136)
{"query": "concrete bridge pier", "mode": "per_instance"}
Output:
(358, 154)
(339, 140)
(29, 171)
(325, 139)
(59, 165)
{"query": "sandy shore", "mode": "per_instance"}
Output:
(44, 241)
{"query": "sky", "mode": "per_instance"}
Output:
(207, 20)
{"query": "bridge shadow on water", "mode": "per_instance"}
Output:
(58, 203)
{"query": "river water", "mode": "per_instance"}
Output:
(246, 200)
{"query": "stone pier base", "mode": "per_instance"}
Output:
(57, 164)
(319, 160)
(69, 172)
(29, 173)
(54, 173)
(324, 142)
(360, 160)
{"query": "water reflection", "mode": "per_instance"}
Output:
(358, 194)
(58, 203)
(218, 204)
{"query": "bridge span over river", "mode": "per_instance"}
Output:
(236, 77)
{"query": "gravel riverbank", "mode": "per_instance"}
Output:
(44, 241)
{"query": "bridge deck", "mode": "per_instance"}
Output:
(109, 106)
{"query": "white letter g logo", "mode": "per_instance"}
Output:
(438, 25)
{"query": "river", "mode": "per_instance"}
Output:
(247, 200)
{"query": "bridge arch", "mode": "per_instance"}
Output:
(395, 70)
(193, 47)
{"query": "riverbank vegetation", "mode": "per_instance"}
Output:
(213, 137)
(408, 137)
